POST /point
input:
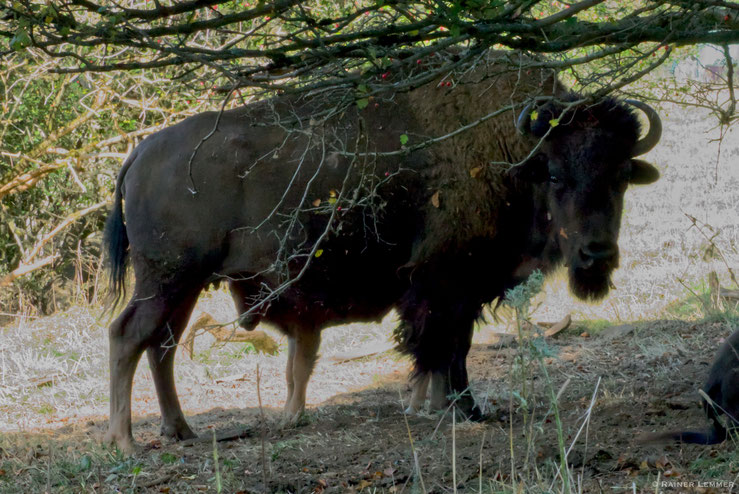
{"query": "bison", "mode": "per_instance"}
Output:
(319, 211)
(722, 388)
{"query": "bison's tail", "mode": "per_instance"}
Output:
(115, 240)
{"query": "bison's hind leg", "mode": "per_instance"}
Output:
(161, 356)
(153, 320)
(303, 346)
(128, 336)
(246, 294)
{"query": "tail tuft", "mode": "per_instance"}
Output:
(115, 241)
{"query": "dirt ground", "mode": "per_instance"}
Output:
(614, 385)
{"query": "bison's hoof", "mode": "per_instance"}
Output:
(290, 419)
(472, 413)
(124, 442)
(411, 410)
(178, 432)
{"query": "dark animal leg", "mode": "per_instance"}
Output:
(440, 391)
(129, 335)
(459, 384)
(161, 356)
(438, 333)
(245, 295)
(419, 387)
(307, 341)
(454, 383)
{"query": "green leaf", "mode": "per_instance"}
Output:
(534, 115)
(554, 122)
(20, 40)
(168, 458)
(319, 253)
(403, 139)
(362, 103)
(85, 463)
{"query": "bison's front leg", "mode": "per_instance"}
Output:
(437, 332)
(419, 388)
(459, 386)
(440, 390)
(302, 352)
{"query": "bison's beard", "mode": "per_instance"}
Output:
(592, 283)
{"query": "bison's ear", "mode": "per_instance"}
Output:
(642, 173)
(533, 170)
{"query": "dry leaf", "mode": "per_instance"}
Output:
(560, 326)
(363, 484)
(563, 233)
(474, 172)
(435, 199)
(316, 203)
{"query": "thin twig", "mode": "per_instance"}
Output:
(263, 431)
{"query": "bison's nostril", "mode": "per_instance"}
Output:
(599, 250)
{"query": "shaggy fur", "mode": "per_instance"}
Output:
(275, 200)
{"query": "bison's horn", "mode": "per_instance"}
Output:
(523, 123)
(650, 140)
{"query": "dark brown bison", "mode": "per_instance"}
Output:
(318, 216)
(722, 387)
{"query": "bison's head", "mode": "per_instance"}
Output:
(582, 169)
